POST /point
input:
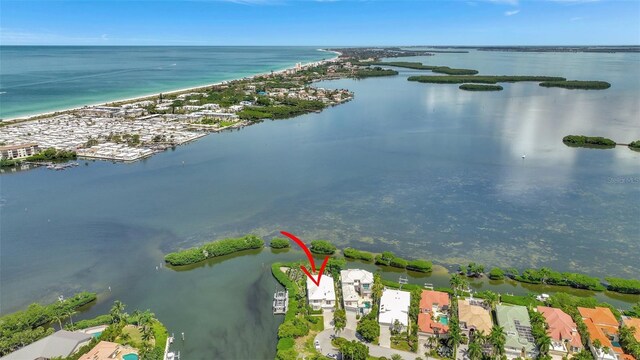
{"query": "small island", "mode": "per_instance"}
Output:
(577, 84)
(213, 249)
(480, 87)
(436, 69)
(634, 145)
(588, 141)
(482, 79)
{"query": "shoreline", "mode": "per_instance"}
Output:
(143, 97)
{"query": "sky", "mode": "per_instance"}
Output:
(320, 22)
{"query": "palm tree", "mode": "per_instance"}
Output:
(147, 334)
(544, 343)
(605, 350)
(475, 350)
(457, 282)
(117, 311)
(69, 314)
(491, 299)
(498, 338)
(377, 288)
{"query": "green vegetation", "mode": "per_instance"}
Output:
(581, 140)
(279, 243)
(322, 247)
(539, 332)
(634, 311)
(352, 253)
(480, 87)
(83, 324)
(213, 249)
(628, 342)
(25, 327)
(634, 145)
(288, 108)
(420, 266)
(354, 350)
(496, 274)
(368, 326)
(373, 72)
(436, 69)
(625, 286)
(52, 154)
(577, 84)
(551, 277)
(481, 79)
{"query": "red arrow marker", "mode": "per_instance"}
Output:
(313, 263)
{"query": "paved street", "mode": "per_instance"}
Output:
(324, 338)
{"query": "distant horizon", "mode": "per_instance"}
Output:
(335, 22)
(337, 46)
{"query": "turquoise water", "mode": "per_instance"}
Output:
(36, 79)
(423, 170)
(130, 357)
(444, 320)
(96, 335)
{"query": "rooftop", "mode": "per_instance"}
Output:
(353, 275)
(561, 326)
(59, 344)
(106, 350)
(325, 291)
(394, 305)
(474, 316)
(429, 298)
(515, 320)
(633, 322)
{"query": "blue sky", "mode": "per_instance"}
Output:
(319, 22)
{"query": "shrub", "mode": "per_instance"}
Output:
(496, 274)
(293, 328)
(581, 140)
(625, 286)
(420, 266)
(279, 243)
(285, 343)
(357, 254)
(398, 262)
(322, 247)
(385, 258)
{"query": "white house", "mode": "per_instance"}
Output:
(394, 305)
(323, 296)
(356, 290)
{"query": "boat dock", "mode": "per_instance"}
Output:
(280, 302)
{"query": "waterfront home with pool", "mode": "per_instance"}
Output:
(474, 316)
(105, 350)
(322, 296)
(394, 305)
(433, 319)
(602, 325)
(562, 330)
(517, 326)
(356, 290)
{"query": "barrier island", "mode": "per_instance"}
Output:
(577, 84)
(482, 79)
(480, 87)
(581, 140)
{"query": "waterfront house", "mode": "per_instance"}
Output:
(562, 330)
(106, 350)
(433, 319)
(62, 343)
(517, 327)
(394, 305)
(322, 296)
(474, 316)
(602, 325)
(356, 290)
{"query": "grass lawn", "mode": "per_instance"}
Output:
(134, 334)
(400, 343)
(305, 345)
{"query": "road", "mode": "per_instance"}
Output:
(324, 337)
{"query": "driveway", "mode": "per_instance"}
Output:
(327, 314)
(352, 322)
(385, 337)
(324, 337)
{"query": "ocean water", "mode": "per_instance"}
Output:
(423, 170)
(35, 79)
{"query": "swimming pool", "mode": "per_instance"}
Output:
(97, 334)
(131, 356)
(444, 320)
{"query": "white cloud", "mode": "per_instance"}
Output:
(511, 13)
(505, 2)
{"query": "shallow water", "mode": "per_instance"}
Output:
(424, 170)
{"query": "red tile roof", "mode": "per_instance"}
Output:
(561, 326)
(601, 316)
(430, 297)
(429, 326)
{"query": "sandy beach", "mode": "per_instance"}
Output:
(147, 96)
